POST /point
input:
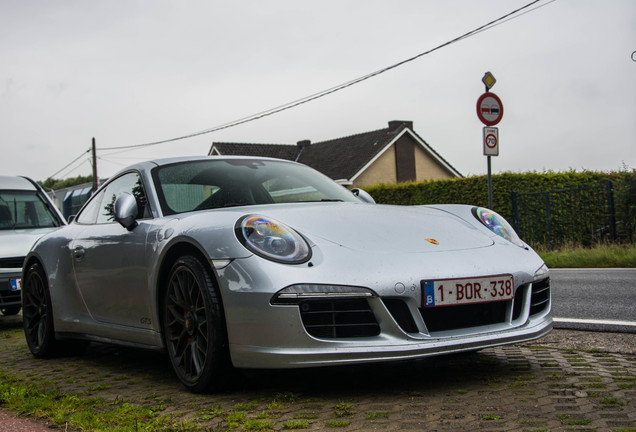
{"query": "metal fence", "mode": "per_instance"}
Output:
(579, 215)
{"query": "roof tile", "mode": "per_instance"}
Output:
(340, 158)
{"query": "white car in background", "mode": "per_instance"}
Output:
(26, 214)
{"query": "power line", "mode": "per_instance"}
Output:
(69, 164)
(505, 18)
(332, 90)
(101, 158)
(85, 161)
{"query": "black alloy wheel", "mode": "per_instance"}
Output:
(36, 314)
(194, 327)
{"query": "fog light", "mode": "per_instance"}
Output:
(295, 293)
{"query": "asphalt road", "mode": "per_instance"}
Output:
(594, 299)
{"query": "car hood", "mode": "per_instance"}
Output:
(380, 228)
(17, 243)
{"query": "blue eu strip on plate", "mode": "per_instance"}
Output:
(429, 293)
(15, 284)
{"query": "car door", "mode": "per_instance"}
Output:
(110, 262)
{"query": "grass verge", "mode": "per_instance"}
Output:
(94, 414)
(599, 256)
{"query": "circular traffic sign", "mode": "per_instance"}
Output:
(489, 109)
(491, 141)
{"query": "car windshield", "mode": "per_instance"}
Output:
(24, 210)
(207, 184)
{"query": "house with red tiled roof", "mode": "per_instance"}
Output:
(391, 155)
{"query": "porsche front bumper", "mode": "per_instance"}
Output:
(389, 324)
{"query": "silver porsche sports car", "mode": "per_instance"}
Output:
(261, 263)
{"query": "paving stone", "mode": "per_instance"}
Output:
(513, 388)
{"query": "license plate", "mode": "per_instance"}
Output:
(467, 291)
(16, 284)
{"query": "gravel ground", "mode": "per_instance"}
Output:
(9, 422)
(568, 380)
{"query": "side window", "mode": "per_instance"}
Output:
(101, 208)
(131, 183)
(89, 214)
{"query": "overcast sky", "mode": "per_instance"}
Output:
(133, 72)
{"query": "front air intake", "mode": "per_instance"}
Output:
(338, 318)
(455, 317)
(540, 296)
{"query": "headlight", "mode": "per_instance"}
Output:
(272, 240)
(497, 224)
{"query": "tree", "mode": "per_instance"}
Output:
(53, 184)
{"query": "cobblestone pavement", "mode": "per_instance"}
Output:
(566, 381)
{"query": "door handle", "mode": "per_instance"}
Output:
(78, 253)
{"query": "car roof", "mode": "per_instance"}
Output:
(16, 183)
(168, 161)
(149, 164)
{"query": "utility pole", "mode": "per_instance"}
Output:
(95, 179)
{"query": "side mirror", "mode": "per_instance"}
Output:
(363, 195)
(126, 211)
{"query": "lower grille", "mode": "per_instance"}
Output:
(461, 316)
(10, 297)
(401, 314)
(350, 318)
(540, 296)
(519, 300)
(13, 262)
(338, 318)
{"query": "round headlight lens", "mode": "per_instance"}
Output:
(497, 224)
(272, 240)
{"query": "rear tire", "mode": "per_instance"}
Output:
(194, 327)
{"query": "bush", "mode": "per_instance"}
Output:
(474, 191)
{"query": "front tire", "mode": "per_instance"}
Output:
(194, 327)
(37, 319)
(37, 316)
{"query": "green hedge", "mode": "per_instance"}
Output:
(474, 191)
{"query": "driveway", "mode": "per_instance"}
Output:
(568, 378)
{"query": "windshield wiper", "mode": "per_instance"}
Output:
(233, 205)
(313, 201)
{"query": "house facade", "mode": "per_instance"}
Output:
(391, 155)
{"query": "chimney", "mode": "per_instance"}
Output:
(395, 124)
(304, 143)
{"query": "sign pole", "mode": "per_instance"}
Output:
(490, 112)
(491, 148)
(489, 159)
(488, 164)
(489, 183)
